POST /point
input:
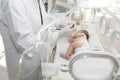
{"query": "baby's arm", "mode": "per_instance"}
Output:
(72, 37)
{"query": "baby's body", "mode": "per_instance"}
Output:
(78, 41)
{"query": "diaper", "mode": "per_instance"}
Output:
(85, 46)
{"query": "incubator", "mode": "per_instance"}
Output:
(100, 62)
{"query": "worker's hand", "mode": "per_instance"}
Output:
(73, 25)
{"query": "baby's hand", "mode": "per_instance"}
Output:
(71, 39)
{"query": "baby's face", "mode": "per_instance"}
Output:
(81, 34)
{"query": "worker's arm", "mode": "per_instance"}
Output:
(20, 25)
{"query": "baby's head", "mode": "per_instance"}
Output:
(84, 33)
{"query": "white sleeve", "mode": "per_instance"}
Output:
(19, 25)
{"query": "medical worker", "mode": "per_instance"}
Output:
(20, 23)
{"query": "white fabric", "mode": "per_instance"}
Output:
(26, 23)
(62, 45)
(85, 45)
(0, 7)
(66, 32)
(19, 24)
(94, 41)
(49, 69)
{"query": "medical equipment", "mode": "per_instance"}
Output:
(31, 59)
(107, 25)
(103, 25)
(40, 12)
(61, 47)
(31, 56)
(77, 16)
(115, 35)
(109, 22)
(96, 53)
(89, 64)
(93, 65)
(62, 6)
(34, 58)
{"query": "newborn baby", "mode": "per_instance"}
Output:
(78, 41)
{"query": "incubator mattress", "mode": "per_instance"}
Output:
(105, 71)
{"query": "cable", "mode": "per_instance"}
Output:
(40, 12)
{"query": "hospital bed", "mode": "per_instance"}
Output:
(93, 64)
(114, 43)
(111, 22)
(98, 67)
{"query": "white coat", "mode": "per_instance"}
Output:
(19, 24)
(0, 7)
